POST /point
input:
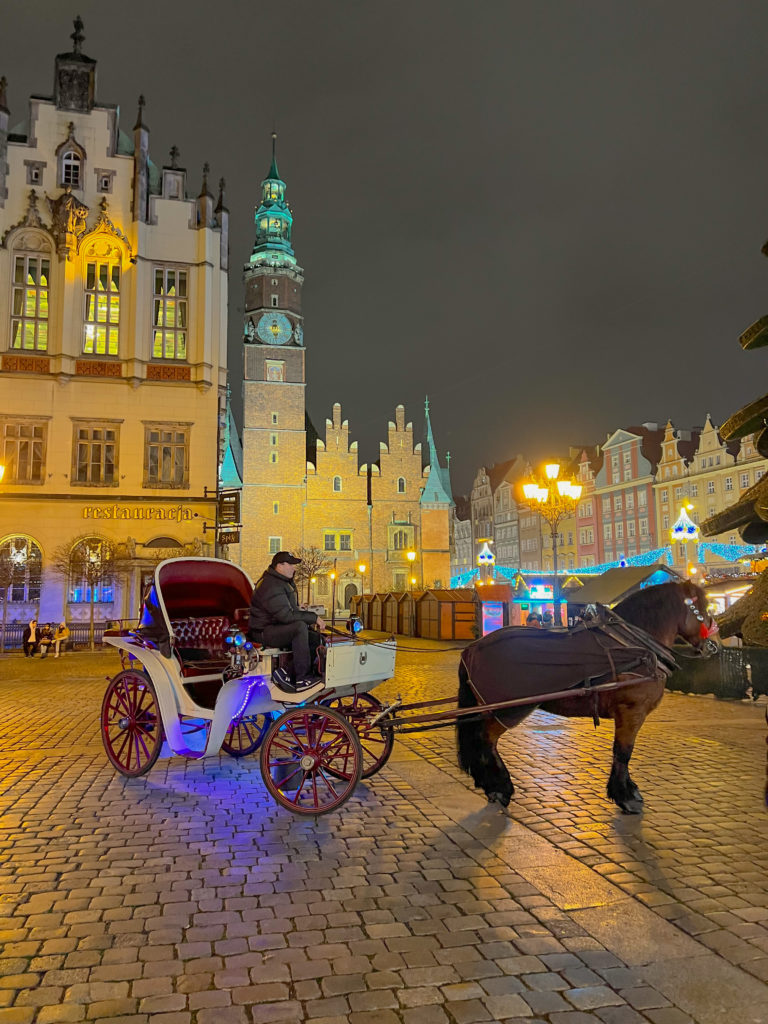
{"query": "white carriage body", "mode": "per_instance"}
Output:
(351, 665)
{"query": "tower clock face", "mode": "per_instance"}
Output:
(274, 329)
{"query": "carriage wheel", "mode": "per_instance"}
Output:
(311, 760)
(131, 727)
(376, 742)
(244, 735)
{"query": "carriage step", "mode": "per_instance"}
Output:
(300, 697)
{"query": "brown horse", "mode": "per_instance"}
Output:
(662, 613)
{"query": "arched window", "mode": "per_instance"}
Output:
(20, 569)
(29, 301)
(71, 168)
(102, 307)
(91, 572)
(401, 485)
(337, 483)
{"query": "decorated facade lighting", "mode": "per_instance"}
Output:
(684, 528)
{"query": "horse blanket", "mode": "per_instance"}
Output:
(518, 661)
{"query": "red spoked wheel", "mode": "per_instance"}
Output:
(311, 760)
(376, 741)
(131, 727)
(244, 735)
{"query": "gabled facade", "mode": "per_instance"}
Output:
(113, 304)
(588, 522)
(624, 491)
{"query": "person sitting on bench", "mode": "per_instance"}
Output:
(276, 620)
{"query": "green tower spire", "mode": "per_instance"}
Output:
(273, 220)
(437, 490)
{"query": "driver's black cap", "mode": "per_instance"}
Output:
(285, 556)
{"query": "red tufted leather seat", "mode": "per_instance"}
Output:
(200, 645)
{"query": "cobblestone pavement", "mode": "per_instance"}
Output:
(188, 897)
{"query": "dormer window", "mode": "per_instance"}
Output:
(71, 168)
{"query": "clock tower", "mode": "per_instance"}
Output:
(274, 381)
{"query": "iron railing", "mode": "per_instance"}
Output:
(79, 632)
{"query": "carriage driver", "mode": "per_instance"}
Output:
(277, 620)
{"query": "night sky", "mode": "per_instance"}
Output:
(546, 215)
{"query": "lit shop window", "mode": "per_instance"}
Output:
(102, 309)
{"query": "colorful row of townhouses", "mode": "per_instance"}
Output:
(635, 486)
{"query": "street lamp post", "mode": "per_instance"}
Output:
(361, 569)
(411, 556)
(554, 502)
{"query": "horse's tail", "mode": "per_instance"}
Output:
(469, 733)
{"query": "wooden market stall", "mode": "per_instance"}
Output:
(447, 614)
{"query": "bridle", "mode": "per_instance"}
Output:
(706, 632)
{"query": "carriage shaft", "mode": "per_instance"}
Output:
(448, 717)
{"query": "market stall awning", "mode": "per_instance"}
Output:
(616, 584)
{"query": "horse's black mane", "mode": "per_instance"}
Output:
(650, 609)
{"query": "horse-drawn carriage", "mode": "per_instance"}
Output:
(192, 684)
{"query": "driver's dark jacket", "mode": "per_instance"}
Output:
(275, 602)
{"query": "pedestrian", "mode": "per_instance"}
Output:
(30, 638)
(547, 621)
(46, 639)
(534, 619)
(277, 620)
(60, 637)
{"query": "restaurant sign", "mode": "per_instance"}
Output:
(166, 513)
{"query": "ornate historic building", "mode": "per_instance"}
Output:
(301, 490)
(113, 299)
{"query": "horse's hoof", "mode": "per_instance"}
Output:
(635, 794)
(631, 806)
(499, 798)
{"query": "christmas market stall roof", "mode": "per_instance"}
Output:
(616, 584)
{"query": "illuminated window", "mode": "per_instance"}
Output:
(166, 455)
(24, 560)
(102, 309)
(169, 316)
(94, 459)
(275, 544)
(91, 576)
(29, 303)
(71, 165)
(23, 451)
